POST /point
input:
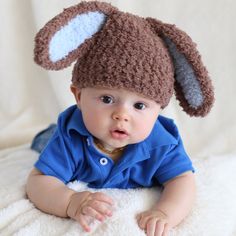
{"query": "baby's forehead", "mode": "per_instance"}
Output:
(116, 91)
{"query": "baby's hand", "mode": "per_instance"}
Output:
(85, 206)
(154, 222)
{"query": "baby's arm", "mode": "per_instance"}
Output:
(52, 196)
(173, 206)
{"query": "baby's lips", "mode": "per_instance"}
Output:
(120, 130)
(116, 134)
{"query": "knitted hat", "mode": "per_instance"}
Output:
(113, 49)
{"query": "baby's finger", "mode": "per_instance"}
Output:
(84, 224)
(166, 230)
(142, 221)
(101, 207)
(160, 225)
(88, 210)
(150, 227)
(103, 198)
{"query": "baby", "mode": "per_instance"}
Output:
(127, 69)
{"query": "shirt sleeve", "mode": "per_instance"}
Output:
(175, 162)
(57, 158)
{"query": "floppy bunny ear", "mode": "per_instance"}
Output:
(69, 35)
(193, 88)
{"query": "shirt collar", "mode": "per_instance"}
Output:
(76, 122)
(163, 133)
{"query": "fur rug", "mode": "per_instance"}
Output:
(213, 214)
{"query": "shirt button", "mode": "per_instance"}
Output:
(103, 161)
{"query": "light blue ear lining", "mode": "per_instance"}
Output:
(72, 35)
(185, 76)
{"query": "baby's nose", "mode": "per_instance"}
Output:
(120, 115)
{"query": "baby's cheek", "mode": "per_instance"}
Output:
(93, 124)
(143, 132)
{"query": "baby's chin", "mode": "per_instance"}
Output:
(119, 144)
(114, 146)
(112, 143)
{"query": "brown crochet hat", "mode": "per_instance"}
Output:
(114, 49)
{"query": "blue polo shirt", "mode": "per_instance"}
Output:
(71, 154)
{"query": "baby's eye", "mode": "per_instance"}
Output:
(107, 99)
(140, 106)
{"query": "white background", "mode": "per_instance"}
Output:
(31, 98)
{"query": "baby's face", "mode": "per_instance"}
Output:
(116, 117)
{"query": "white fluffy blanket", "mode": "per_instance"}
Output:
(214, 212)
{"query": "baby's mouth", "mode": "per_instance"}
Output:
(119, 134)
(120, 131)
